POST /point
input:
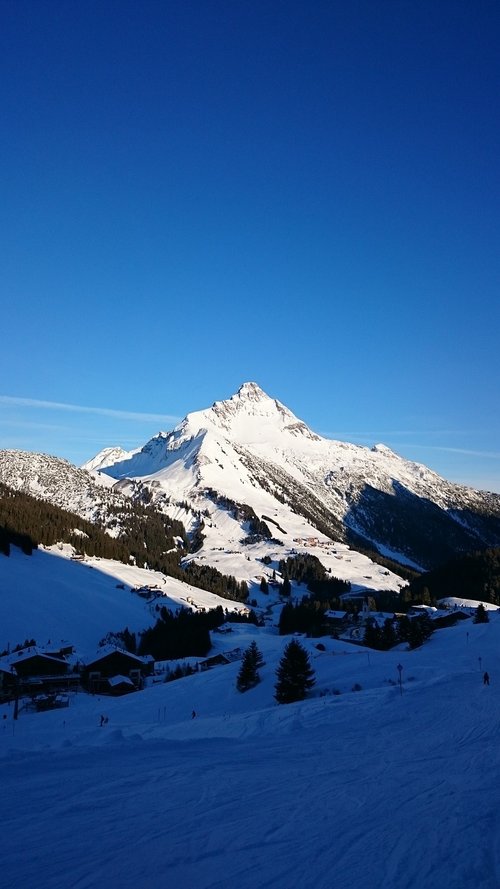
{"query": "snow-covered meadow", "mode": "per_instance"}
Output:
(48, 596)
(386, 786)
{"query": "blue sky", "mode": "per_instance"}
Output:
(198, 194)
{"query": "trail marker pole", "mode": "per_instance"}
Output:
(400, 671)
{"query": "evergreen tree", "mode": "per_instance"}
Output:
(256, 655)
(481, 615)
(295, 675)
(415, 631)
(373, 634)
(264, 588)
(248, 674)
(286, 586)
(389, 637)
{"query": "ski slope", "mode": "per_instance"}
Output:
(384, 787)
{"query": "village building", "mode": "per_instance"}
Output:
(226, 657)
(33, 670)
(112, 662)
(337, 620)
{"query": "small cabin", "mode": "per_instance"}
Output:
(215, 661)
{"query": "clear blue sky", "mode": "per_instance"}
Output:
(305, 194)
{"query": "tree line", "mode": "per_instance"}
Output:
(145, 536)
(472, 576)
(184, 633)
(306, 568)
(412, 630)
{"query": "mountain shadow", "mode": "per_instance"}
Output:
(415, 529)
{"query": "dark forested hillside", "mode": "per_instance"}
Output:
(146, 536)
(473, 576)
(306, 568)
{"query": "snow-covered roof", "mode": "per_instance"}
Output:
(17, 657)
(120, 680)
(108, 650)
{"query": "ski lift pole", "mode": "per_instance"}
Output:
(400, 671)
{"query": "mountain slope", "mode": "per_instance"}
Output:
(64, 485)
(48, 595)
(253, 450)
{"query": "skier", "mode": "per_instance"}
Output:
(193, 714)
(486, 679)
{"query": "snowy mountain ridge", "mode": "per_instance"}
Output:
(88, 494)
(254, 450)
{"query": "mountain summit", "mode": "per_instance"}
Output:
(249, 416)
(253, 451)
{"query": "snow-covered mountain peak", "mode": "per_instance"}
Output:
(248, 416)
(106, 457)
(250, 392)
(250, 449)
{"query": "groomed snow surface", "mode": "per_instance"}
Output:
(370, 788)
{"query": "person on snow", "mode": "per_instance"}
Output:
(486, 679)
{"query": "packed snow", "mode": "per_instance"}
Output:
(369, 782)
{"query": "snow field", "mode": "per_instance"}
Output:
(372, 788)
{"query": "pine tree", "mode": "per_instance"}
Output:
(388, 636)
(295, 675)
(256, 655)
(285, 586)
(247, 676)
(481, 615)
(264, 587)
(373, 634)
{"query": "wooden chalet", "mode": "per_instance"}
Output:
(337, 620)
(32, 670)
(115, 662)
(33, 663)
